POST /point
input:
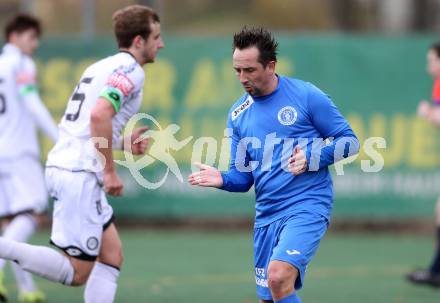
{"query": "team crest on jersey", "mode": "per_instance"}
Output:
(287, 115)
(245, 105)
(121, 82)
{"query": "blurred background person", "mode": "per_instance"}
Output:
(22, 113)
(430, 111)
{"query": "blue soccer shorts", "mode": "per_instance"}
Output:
(293, 239)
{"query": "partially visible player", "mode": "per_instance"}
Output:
(23, 196)
(107, 95)
(430, 111)
(278, 128)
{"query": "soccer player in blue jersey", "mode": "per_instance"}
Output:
(278, 128)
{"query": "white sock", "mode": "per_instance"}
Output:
(19, 229)
(101, 285)
(40, 260)
(25, 281)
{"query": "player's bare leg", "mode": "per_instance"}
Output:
(281, 280)
(102, 284)
(51, 264)
(56, 266)
(82, 270)
(111, 249)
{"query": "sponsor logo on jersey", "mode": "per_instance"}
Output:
(259, 271)
(92, 243)
(293, 252)
(241, 108)
(121, 82)
(128, 69)
(287, 115)
(261, 282)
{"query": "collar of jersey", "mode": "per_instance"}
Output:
(266, 97)
(127, 52)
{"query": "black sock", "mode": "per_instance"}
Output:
(435, 266)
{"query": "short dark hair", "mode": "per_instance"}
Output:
(21, 23)
(132, 21)
(261, 38)
(436, 48)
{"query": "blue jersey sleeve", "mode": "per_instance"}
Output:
(235, 180)
(331, 125)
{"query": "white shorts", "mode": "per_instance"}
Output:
(22, 187)
(80, 212)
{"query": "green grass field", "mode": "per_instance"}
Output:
(189, 266)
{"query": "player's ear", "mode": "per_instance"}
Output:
(271, 66)
(137, 41)
(13, 37)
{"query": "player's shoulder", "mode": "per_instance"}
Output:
(10, 58)
(303, 87)
(239, 101)
(119, 66)
(240, 106)
(124, 63)
(121, 62)
(296, 84)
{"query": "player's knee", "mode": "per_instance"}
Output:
(82, 270)
(81, 276)
(119, 259)
(79, 280)
(281, 275)
(114, 257)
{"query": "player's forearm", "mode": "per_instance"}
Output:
(236, 181)
(343, 146)
(41, 115)
(101, 131)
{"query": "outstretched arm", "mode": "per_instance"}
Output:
(28, 90)
(331, 125)
(234, 180)
(208, 176)
(41, 115)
